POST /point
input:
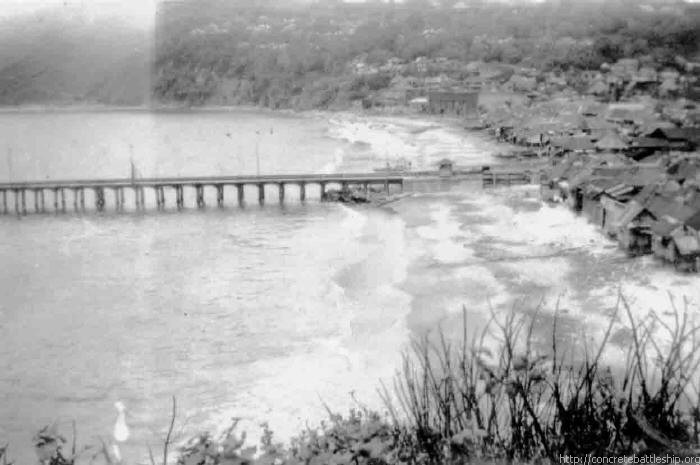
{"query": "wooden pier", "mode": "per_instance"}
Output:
(14, 195)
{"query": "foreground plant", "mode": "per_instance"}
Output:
(459, 401)
(501, 395)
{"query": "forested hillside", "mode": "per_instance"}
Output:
(215, 51)
(321, 54)
(66, 56)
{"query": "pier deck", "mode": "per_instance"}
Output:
(18, 190)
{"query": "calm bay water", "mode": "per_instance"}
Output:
(261, 313)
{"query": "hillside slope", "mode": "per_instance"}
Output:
(72, 58)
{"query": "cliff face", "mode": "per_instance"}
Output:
(59, 57)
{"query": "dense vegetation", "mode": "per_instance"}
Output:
(302, 54)
(533, 400)
(234, 52)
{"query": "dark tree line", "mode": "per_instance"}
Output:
(281, 56)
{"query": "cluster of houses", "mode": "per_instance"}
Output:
(651, 206)
(625, 156)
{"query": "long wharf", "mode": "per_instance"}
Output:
(17, 192)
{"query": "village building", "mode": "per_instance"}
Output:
(611, 142)
(453, 103)
(577, 144)
(678, 138)
(599, 89)
(637, 233)
(684, 247)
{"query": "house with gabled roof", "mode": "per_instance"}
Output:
(678, 138)
(636, 232)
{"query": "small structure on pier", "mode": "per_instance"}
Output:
(445, 168)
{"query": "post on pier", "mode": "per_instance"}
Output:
(386, 185)
(302, 191)
(200, 195)
(240, 190)
(261, 193)
(322, 185)
(220, 195)
(281, 191)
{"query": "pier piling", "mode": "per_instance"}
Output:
(137, 197)
(63, 200)
(302, 191)
(4, 202)
(200, 196)
(36, 200)
(241, 194)
(179, 196)
(99, 199)
(220, 195)
(281, 192)
(55, 199)
(261, 193)
(43, 201)
(24, 201)
(158, 191)
(323, 191)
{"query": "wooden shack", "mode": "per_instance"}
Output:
(445, 168)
